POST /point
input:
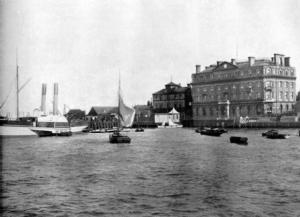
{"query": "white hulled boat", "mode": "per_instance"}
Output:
(52, 125)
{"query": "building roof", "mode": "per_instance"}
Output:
(98, 110)
(173, 111)
(172, 84)
(75, 111)
(239, 65)
(169, 91)
(141, 107)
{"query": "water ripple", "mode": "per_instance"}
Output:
(172, 172)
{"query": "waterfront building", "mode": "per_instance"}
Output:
(252, 88)
(174, 96)
(102, 117)
(75, 114)
(163, 118)
(144, 116)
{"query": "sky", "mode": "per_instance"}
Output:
(84, 44)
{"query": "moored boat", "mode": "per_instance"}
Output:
(210, 132)
(20, 127)
(117, 137)
(276, 135)
(125, 119)
(222, 130)
(139, 129)
(239, 140)
(52, 125)
(269, 132)
(78, 129)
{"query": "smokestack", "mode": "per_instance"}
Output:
(233, 61)
(198, 68)
(43, 103)
(55, 99)
(279, 59)
(287, 61)
(251, 60)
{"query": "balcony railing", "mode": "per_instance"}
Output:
(269, 88)
(269, 100)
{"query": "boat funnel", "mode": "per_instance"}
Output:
(55, 99)
(43, 103)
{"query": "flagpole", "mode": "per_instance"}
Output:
(119, 92)
(17, 77)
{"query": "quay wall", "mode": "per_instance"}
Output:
(233, 124)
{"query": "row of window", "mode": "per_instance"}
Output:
(283, 96)
(247, 87)
(279, 71)
(281, 84)
(168, 97)
(212, 111)
(225, 96)
(247, 73)
(242, 86)
(178, 105)
(225, 75)
(237, 110)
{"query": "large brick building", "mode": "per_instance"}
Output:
(174, 96)
(257, 87)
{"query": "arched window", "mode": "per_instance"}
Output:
(233, 110)
(258, 109)
(287, 107)
(281, 107)
(203, 111)
(211, 111)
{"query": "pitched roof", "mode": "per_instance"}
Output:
(173, 111)
(170, 91)
(172, 84)
(240, 65)
(75, 111)
(141, 107)
(98, 110)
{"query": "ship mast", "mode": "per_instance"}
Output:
(119, 92)
(17, 71)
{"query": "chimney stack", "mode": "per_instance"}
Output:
(198, 68)
(251, 60)
(43, 103)
(287, 61)
(233, 61)
(279, 59)
(55, 99)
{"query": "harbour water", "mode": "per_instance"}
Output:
(163, 172)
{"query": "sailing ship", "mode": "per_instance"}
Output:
(125, 119)
(52, 125)
(20, 125)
